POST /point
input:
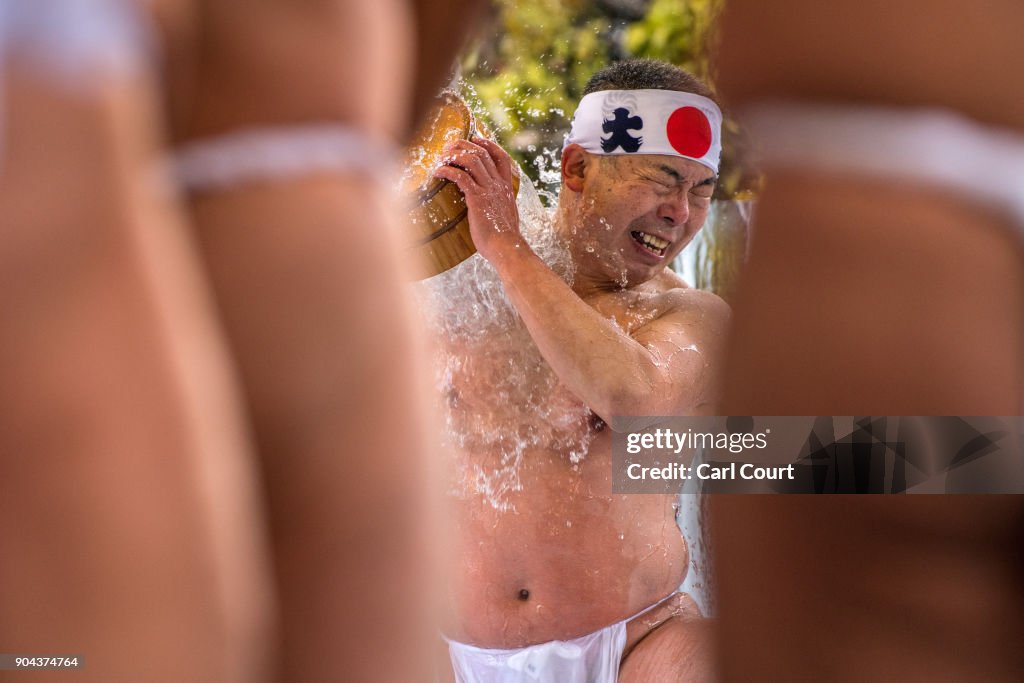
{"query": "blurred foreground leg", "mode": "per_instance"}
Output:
(131, 533)
(867, 297)
(305, 267)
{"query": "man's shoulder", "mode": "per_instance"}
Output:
(669, 279)
(675, 295)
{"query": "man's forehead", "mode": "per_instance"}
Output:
(678, 167)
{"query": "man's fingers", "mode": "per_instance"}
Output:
(498, 156)
(475, 166)
(494, 161)
(474, 150)
(461, 177)
(486, 150)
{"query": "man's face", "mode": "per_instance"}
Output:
(637, 213)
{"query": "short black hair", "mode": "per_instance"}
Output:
(646, 74)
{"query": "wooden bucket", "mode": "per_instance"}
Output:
(438, 217)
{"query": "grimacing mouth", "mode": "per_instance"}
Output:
(655, 245)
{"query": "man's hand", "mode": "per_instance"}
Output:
(483, 171)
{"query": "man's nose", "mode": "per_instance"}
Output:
(675, 210)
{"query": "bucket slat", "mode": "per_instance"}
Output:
(439, 230)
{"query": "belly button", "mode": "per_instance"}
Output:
(524, 595)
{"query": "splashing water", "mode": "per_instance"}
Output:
(549, 170)
(501, 400)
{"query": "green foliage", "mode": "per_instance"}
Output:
(525, 77)
(675, 32)
(529, 72)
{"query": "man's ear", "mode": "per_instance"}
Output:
(574, 166)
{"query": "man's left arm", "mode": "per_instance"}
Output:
(666, 367)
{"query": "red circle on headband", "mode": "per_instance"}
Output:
(689, 132)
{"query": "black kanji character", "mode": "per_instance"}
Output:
(619, 128)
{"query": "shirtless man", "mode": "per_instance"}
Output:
(563, 558)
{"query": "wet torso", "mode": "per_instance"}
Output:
(543, 549)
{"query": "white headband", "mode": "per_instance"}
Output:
(649, 122)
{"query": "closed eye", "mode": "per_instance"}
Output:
(670, 182)
(661, 184)
(667, 180)
(705, 188)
